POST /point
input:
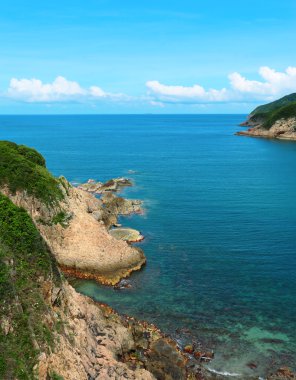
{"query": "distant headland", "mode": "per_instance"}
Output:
(275, 120)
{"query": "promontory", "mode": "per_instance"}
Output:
(275, 120)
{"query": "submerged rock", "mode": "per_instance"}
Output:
(126, 234)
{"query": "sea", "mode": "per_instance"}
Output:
(219, 226)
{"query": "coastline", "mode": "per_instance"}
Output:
(79, 346)
(283, 129)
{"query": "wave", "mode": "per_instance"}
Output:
(224, 373)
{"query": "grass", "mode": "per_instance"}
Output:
(23, 169)
(24, 259)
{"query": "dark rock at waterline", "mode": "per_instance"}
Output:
(272, 340)
(252, 365)
(283, 373)
(123, 284)
(174, 367)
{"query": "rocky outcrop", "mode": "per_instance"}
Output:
(113, 185)
(252, 121)
(79, 238)
(94, 342)
(283, 129)
(113, 206)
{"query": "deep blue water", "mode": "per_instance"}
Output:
(220, 225)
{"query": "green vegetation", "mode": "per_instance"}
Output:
(268, 114)
(24, 260)
(23, 168)
(273, 106)
(281, 113)
(61, 218)
(55, 376)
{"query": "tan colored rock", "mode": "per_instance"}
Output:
(127, 234)
(84, 248)
(284, 129)
(113, 185)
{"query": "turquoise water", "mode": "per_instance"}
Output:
(220, 225)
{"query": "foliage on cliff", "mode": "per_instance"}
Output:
(273, 106)
(23, 168)
(282, 113)
(267, 114)
(25, 262)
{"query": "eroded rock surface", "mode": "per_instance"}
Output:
(79, 239)
(284, 129)
(113, 185)
(96, 343)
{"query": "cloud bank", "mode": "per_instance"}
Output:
(60, 90)
(274, 84)
(271, 85)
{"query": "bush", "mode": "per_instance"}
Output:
(24, 259)
(23, 168)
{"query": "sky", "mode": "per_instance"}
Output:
(156, 56)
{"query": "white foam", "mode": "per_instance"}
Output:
(225, 373)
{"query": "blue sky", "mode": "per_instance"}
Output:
(151, 56)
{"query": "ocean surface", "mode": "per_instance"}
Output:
(220, 225)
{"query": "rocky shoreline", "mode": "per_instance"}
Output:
(77, 231)
(284, 129)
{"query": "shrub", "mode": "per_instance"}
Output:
(23, 169)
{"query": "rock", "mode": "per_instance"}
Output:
(198, 354)
(55, 296)
(204, 356)
(127, 234)
(189, 349)
(283, 129)
(123, 284)
(113, 185)
(6, 325)
(84, 249)
(283, 373)
(174, 365)
(93, 204)
(252, 365)
(97, 215)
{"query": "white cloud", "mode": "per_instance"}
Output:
(196, 93)
(60, 90)
(273, 85)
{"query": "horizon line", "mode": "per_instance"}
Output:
(123, 114)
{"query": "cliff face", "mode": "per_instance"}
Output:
(81, 243)
(48, 330)
(283, 129)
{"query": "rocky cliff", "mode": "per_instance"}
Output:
(273, 120)
(283, 129)
(48, 330)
